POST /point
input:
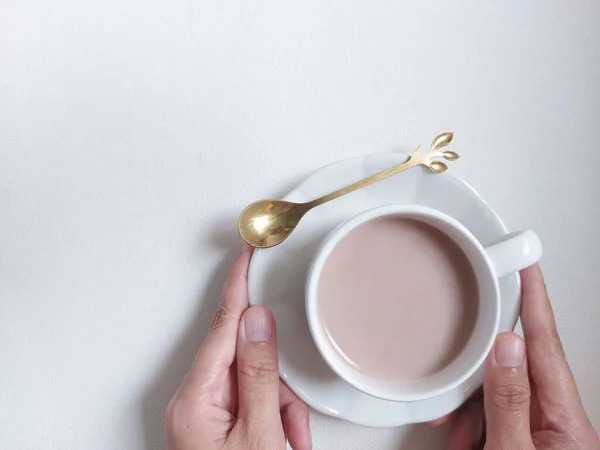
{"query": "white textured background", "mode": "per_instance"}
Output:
(132, 133)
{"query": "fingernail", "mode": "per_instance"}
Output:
(509, 351)
(258, 325)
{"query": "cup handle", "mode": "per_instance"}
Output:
(515, 251)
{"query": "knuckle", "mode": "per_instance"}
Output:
(256, 434)
(555, 336)
(260, 371)
(557, 343)
(220, 316)
(511, 396)
(185, 416)
(303, 409)
(296, 410)
(176, 411)
(253, 435)
(224, 317)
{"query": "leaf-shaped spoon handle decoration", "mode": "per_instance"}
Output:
(267, 223)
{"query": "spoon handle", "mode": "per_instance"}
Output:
(415, 159)
(411, 162)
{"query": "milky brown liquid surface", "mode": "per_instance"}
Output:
(398, 298)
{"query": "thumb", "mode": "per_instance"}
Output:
(507, 395)
(258, 368)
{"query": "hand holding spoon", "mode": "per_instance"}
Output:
(267, 223)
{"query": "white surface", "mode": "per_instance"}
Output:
(278, 276)
(132, 133)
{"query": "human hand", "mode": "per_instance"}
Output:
(232, 397)
(530, 400)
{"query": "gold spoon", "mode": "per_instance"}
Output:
(267, 223)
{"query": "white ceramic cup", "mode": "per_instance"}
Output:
(514, 252)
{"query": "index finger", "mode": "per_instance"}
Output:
(548, 365)
(217, 353)
(295, 419)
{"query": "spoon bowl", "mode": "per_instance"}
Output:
(267, 223)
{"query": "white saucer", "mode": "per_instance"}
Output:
(277, 279)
